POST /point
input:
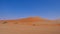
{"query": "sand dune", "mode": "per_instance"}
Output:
(30, 25)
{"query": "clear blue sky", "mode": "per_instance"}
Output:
(13, 9)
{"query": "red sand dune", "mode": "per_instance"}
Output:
(31, 20)
(30, 25)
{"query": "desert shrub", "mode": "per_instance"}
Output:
(34, 24)
(4, 22)
(15, 23)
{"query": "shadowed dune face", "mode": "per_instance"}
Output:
(30, 25)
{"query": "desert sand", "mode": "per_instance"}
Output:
(30, 25)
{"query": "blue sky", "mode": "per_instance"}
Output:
(13, 9)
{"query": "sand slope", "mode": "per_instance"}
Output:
(30, 25)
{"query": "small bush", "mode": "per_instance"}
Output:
(34, 25)
(15, 23)
(4, 22)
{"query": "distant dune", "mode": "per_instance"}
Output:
(30, 25)
(33, 20)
